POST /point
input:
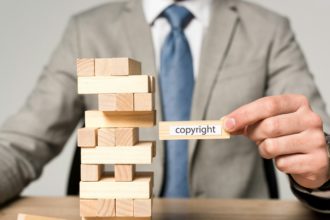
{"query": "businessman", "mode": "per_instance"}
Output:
(211, 59)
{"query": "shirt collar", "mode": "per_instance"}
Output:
(201, 9)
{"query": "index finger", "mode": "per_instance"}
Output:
(263, 108)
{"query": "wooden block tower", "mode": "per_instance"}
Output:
(111, 136)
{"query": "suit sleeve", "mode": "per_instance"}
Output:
(38, 131)
(288, 73)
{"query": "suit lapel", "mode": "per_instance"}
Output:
(215, 45)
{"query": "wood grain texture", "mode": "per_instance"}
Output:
(106, 137)
(120, 119)
(165, 130)
(91, 172)
(124, 207)
(85, 67)
(127, 136)
(124, 172)
(117, 67)
(108, 188)
(35, 217)
(86, 137)
(141, 153)
(116, 102)
(113, 84)
(97, 207)
(142, 207)
(144, 101)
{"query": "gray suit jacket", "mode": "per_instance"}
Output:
(248, 52)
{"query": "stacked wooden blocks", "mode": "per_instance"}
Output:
(111, 136)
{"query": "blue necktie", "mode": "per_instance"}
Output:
(176, 86)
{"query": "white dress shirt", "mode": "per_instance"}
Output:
(194, 32)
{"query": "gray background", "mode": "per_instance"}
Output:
(31, 29)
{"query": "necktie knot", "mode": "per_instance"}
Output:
(178, 16)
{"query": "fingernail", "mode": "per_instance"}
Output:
(230, 124)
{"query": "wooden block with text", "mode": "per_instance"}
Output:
(97, 207)
(117, 67)
(127, 136)
(106, 137)
(142, 207)
(183, 130)
(120, 119)
(22, 216)
(116, 102)
(124, 172)
(91, 172)
(124, 207)
(144, 101)
(86, 137)
(85, 67)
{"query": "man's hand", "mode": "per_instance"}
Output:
(285, 128)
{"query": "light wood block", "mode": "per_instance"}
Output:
(91, 172)
(127, 136)
(117, 67)
(124, 172)
(116, 102)
(97, 207)
(85, 67)
(181, 130)
(144, 101)
(142, 207)
(86, 137)
(124, 207)
(108, 188)
(35, 217)
(106, 137)
(113, 84)
(141, 153)
(120, 119)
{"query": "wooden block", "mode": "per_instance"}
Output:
(85, 67)
(120, 119)
(91, 172)
(152, 84)
(124, 207)
(127, 136)
(116, 102)
(106, 137)
(86, 137)
(113, 84)
(144, 101)
(97, 207)
(180, 130)
(117, 67)
(35, 217)
(142, 207)
(108, 188)
(154, 149)
(124, 172)
(141, 153)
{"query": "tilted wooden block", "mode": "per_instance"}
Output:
(141, 153)
(127, 136)
(144, 101)
(113, 84)
(124, 172)
(85, 67)
(87, 137)
(120, 119)
(116, 102)
(35, 217)
(91, 172)
(106, 137)
(124, 207)
(180, 130)
(142, 207)
(108, 188)
(97, 207)
(117, 67)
